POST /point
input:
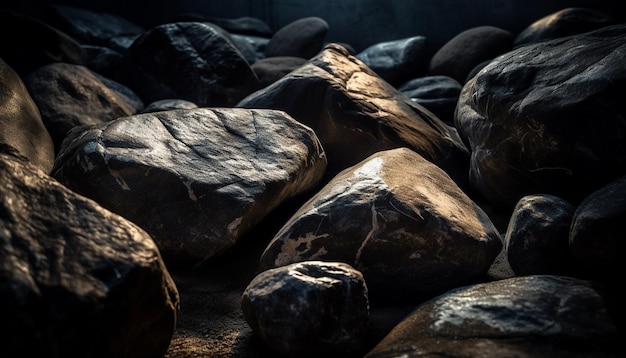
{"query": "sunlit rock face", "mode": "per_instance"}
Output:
(528, 316)
(398, 219)
(22, 131)
(77, 279)
(195, 179)
(191, 61)
(548, 118)
(355, 113)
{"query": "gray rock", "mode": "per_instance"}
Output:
(398, 219)
(397, 61)
(438, 94)
(77, 279)
(195, 179)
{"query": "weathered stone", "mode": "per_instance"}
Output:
(72, 95)
(548, 118)
(308, 309)
(355, 114)
(77, 280)
(398, 219)
(271, 69)
(438, 94)
(190, 61)
(530, 316)
(195, 179)
(168, 105)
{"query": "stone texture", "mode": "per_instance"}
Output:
(398, 219)
(77, 280)
(196, 179)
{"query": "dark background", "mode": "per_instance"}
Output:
(359, 23)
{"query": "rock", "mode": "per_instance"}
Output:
(547, 118)
(301, 38)
(72, 95)
(537, 238)
(565, 22)
(196, 180)
(168, 105)
(271, 69)
(397, 61)
(22, 131)
(308, 309)
(209, 70)
(438, 94)
(398, 219)
(38, 43)
(531, 316)
(457, 57)
(77, 280)
(355, 113)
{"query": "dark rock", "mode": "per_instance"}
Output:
(168, 105)
(72, 95)
(301, 38)
(190, 61)
(38, 43)
(77, 280)
(438, 94)
(565, 22)
(271, 69)
(397, 61)
(457, 57)
(548, 118)
(537, 238)
(309, 309)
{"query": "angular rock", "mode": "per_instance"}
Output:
(355, 113)
(190, 61)
(457, 57)
(530, 316)
(397, 61)
(72, 95)
(548, 118)
(537, 238)
(22, 131)
(196, 180)
(398, 219)
(301, 38)
(77, 280)
(565, 22)
(308, 309)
